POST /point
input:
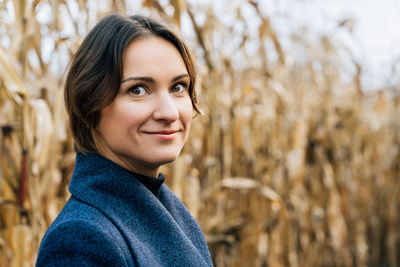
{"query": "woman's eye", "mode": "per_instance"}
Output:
(178, 88)
(137, 91)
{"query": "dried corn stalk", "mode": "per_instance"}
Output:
(288, 166)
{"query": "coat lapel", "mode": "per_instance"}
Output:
(152, 233)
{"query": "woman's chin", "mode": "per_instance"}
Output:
(165, 160)
(163, 156)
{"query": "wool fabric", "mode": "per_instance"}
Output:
(113, 219)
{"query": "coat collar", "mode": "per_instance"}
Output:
(148, 226)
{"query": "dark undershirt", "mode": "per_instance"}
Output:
(151, 183)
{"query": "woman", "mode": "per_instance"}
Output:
(130, 99)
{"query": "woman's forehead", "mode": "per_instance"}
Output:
(152, 56)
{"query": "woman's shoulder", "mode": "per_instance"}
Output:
(82, 235)
(77, 210)
(77, 215)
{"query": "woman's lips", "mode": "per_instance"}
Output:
(164, 132)
(163, 135)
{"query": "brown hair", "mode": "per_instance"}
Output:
(95, 73)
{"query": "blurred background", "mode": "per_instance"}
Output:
(296, 158)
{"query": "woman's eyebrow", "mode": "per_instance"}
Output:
(179, 77)
(146, 79)
(151, 80)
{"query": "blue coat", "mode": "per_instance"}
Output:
(112, 219)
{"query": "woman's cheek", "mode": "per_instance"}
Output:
(188, 113)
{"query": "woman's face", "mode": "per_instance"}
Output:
(148, 122)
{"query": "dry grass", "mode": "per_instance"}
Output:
(287, 167)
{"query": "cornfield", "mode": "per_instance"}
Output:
(287, 166)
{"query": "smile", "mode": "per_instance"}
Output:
(163, 132)
(164, 135)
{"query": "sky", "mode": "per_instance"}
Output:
(375, 37)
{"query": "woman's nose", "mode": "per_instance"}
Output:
(166, 108)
